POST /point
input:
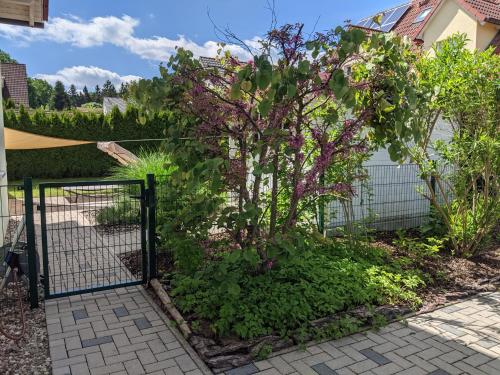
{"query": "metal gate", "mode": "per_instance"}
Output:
(93, 236)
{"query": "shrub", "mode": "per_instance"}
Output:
(85, 160)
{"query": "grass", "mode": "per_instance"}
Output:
(14, 192)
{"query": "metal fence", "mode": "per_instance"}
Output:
(391, 197)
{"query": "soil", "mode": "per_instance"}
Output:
(29, 355)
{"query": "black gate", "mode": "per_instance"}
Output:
(93, 236)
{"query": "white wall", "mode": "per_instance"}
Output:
(390, 198)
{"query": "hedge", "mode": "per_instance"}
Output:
(78, 161)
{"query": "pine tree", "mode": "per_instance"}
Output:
(109, 90)
(60, 98)
(97, 96)
(86, 95)
(73, 96)
(123, 90)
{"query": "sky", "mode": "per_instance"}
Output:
(86, 42)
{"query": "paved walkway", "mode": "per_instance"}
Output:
(459, 339)
(119, 332)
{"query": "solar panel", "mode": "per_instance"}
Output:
(389, 19)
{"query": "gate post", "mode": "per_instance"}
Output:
(151, 225)
(31, 242)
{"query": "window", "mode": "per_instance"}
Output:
(422, 15)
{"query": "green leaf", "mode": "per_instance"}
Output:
(304, 66)
(246, 86)
(291, 90)
(265, 107)
(235, 91)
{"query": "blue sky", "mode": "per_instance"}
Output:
(89, 41)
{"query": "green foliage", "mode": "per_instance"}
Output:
(6, 58)
(60, 99)
(322, 278)
(125, 212)
(419, 248)
(85, 160)
(39, 92)
(462, 87)
(157, 163)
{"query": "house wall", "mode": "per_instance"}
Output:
(485, 34)
(448, 20)
(391, 197)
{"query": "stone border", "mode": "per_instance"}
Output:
(189, 349)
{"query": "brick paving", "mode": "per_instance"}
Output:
(119, 332)
(459, 339)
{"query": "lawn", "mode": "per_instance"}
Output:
(15, 192)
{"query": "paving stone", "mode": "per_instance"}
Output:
(323, 369)
(362, 366)
(97, 341)
(375, 357)
(80, 314)
(121, 311)
(134, 367)
(439, 372)
(249, 369)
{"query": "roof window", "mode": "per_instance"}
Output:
(422, 15)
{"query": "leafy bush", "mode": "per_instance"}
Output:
(85, 160)
(125, 212)
(322, 278)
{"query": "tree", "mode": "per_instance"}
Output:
(123, 92)
(264, 132)
(39, 92)
(60, 98)
(109, 90)
(97, 95)
(73, 96)
(462, 174)
(5, 57)
(86, 95)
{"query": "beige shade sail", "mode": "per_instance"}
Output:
(19, 140)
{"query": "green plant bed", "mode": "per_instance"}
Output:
(328, 278)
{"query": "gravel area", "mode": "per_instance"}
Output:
(30, 355)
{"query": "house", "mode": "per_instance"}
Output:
(15, 83)
(426, 22)
(109, 103)
(392, 195)
(24, 13)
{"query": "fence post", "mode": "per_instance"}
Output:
(152, 225)
(31, 243)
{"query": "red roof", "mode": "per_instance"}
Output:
(482, 10)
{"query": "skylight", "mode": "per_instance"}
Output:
(422, 15)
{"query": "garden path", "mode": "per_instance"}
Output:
(120, 331)
(463, 338)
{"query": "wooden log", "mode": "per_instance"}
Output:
(170, 307)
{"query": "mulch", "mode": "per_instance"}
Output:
(30, 355)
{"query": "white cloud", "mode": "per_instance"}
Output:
(119, 32)
(89, 76)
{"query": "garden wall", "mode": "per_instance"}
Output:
(78, 161)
